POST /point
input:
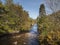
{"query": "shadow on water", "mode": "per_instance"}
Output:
(33, 39)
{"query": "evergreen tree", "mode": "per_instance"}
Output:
(42, 11)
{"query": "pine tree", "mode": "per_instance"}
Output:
(42, 11)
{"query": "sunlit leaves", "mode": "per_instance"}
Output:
(13, 18)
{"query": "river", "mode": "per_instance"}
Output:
(29, 38)
(33, 39)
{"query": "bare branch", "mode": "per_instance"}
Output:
(54, 5)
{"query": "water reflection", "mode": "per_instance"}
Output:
(33, 39)
(34, 29)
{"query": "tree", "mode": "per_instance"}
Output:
(0, 2)
(42, 11)
(15, 19)
(9, 2)
(54, 5)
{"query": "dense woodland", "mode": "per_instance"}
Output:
(13, 18)
(49, 27)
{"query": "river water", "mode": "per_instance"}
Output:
(29, 38)
(33, 39)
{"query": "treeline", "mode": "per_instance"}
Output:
(13, 17)
(49, 27)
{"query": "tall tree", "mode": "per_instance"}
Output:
(42, 11)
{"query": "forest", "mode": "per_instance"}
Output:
(49, 25)
(13, 18)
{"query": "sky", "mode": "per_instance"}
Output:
(32, 6)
